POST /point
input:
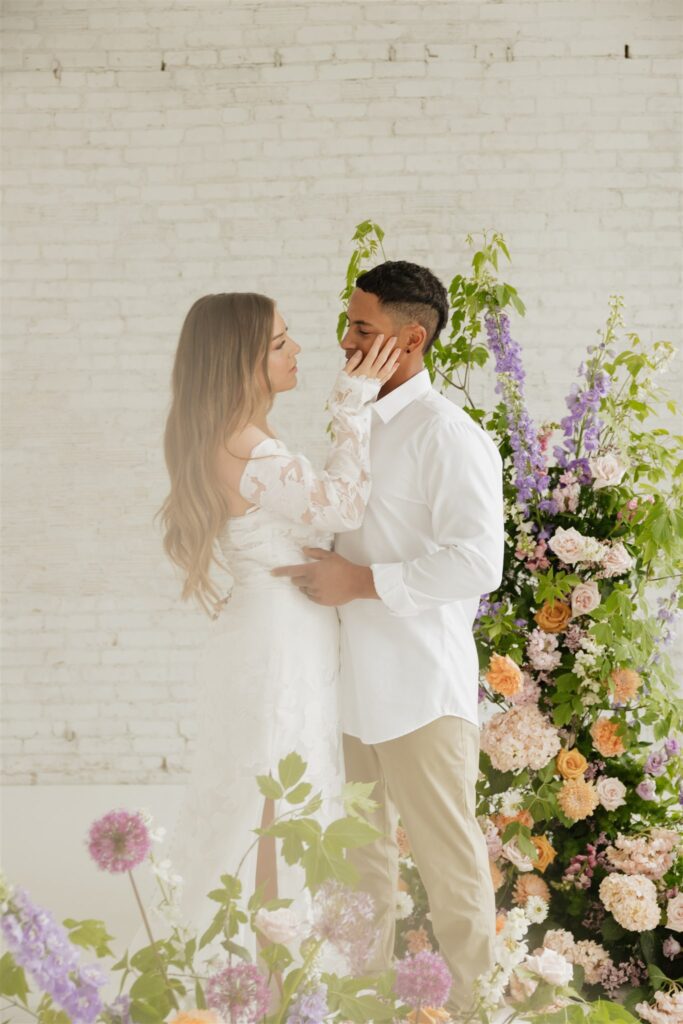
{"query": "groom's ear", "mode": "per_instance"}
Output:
(416, 339)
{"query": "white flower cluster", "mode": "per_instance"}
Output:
(585, 667)
(631, 900)
(519, 738)
(574, 548)
(510, 950)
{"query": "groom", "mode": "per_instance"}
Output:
(407, 585)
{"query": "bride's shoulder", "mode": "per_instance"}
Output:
(242, 442)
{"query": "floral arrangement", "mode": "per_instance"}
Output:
(581, 772)
(580, 785)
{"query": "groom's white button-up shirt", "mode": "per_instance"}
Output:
(433, 536)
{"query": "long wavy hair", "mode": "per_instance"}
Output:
(222, 353)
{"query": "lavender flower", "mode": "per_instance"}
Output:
(672, 747)
(656, 763)
(119, 841)
(423, 980)
(41, 945)
(646, 790)
(238, 992)
(309, 1007)
(531, 475)
(345, 919)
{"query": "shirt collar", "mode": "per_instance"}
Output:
(391, 404)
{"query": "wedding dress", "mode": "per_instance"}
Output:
(267, 678)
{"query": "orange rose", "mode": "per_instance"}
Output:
(605, 737)
(553, 617)
(497, 876)
(501, 821)
(504, 676)
(196, 1017)
(417, 939)
(577, 798)
(624, 684)
(402, 841)
(427, 1015)
(530, 885)
(571, 764)
(545, 854)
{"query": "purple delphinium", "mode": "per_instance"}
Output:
(119, 841)
(309, 1007)
(581, 428)
(42, 946)
(531, 476)
(238, 992)
(118, 1012)
(345, 918)
(423, 980)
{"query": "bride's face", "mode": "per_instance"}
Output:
(282, 357)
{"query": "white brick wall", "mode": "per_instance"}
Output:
(155, 151)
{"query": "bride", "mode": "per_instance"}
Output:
(267, 679)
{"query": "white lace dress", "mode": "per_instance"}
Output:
(267, 679)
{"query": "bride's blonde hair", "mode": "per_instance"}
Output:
(222, 354)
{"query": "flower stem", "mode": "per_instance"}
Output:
(151, 939)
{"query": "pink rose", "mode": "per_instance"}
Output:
(282, 925)
(512, 852)
(607, 470)
(550, 966)
(674, 913)
(611, 792)
(585, 597)
(570, 546)
(615, 560)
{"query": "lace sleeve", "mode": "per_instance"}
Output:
(335, 498)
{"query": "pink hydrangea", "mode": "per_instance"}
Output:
(519, 738)
(119, 841)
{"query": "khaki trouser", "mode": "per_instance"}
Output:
(428, 777)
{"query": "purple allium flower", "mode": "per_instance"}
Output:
(309, 1007)
(41, 945)
(671, 947)
(672, 747)
(646, 790)
(531, 476)
(656, 763)
(238, 992)
(119, 841)
(423, 980)
(346, 919)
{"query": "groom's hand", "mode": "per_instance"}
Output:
(330, 579)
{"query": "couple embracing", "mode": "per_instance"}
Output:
(347, 631)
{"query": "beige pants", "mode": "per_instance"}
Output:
(428, 778)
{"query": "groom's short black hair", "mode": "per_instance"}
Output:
(412, 291)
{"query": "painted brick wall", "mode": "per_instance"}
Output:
(155, 151)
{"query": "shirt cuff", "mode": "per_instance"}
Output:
(391, 590)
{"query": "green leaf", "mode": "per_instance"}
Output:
(142, 1012)
(147, 986)
(90, 934)
(365, 1008)
(299, 793)
(269, 786)
(356, 798)
(351, 832)
(12, 979)
(276, 957)
(290, 769)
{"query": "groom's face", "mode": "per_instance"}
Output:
(366, 318)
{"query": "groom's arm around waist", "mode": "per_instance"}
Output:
(461, 479)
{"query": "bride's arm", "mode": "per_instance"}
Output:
(334, 499)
